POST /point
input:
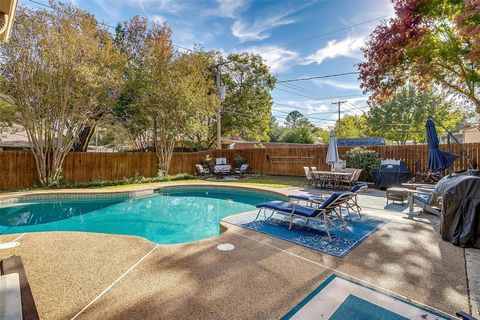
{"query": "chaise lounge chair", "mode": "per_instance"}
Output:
(326, 213)
(315, 201)
(201, 171)
(242, 170)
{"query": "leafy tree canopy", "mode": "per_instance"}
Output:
(58, 71)
(303, 134)
(352, 126)
(434, 43)
(402, 117)
(247, 106)
(295, 119)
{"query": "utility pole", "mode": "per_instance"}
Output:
(221, 97)
(219, 116)
(339, 104)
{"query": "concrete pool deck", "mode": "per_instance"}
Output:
(99, 276)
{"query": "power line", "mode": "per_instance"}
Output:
(308, 116)
(320, 77)
(331, 32)
(312, 113)
(296, 93)
(300, 89)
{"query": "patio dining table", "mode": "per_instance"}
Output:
(334, 176)
(333, 173)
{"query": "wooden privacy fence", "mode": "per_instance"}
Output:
(18, 170)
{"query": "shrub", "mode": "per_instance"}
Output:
(125, 181)
(239, 160)
(208, 163)
(362, 158)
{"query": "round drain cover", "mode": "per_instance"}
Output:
(9, 245)
(225, 247)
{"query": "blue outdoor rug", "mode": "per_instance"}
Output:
(312, 236)
(338, 299)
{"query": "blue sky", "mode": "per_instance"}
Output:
(296, 38)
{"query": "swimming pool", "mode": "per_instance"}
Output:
(172, 215)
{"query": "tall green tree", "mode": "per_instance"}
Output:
(296, 119)
(59, 68)
(352, 126)
(402, 117)
(168, 95)
(248, 102)
(429, 43)
(276, 131)
(303, 134)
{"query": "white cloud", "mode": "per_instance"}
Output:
(305, 106)
(337, 84)
(348, 47)
(166, 5)
(230, 8)
(277, 58)
(158, 18)
(257, 29)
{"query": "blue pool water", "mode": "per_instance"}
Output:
(170, 216)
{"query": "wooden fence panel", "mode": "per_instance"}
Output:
(18, 169)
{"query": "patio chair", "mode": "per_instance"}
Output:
(201, 171)
(242, 170)
(422, 200)
(353, 179)
(322, 180)
(353, 203)
(326, 214)
(309, 179)
(221, 167)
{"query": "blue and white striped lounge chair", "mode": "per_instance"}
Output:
(326, 213)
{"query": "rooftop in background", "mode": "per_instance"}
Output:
(360, 142)
(14, 141)
(240, 144)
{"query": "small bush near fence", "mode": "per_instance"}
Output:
(362, 158)
(125, 181)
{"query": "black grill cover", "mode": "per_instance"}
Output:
(388, 175)
(460, 220)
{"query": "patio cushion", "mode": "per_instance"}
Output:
(421, 197)
(332, 198)
(357, 187)
(304, 197)
(287, 207)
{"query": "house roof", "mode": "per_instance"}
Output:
(359, 142)
(14, 144)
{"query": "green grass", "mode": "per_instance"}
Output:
(270, 181)
(251, 180)
(261, 181)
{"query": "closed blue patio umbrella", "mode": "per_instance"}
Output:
(437, 160)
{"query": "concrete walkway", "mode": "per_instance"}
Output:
(99, 276)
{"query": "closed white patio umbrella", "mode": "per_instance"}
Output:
(332, 152)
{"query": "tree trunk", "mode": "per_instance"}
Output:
(164, 151)
(84, 137)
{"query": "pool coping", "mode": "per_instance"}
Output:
(130, 192)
